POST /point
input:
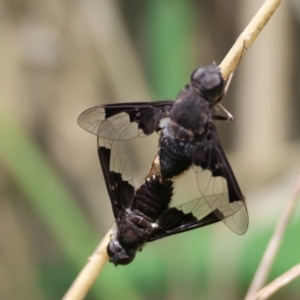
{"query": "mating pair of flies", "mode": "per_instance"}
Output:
(187, 139)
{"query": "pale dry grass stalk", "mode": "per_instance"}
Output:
(90, 271)
(278, 283)
(263, 269)
(248, 36)
(93, 267)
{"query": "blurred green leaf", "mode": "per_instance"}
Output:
(169, 44)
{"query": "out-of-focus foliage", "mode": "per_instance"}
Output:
(58, 58)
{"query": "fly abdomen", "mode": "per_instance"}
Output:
(153, 197)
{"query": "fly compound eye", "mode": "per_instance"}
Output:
(207, 78)
(113, 248)
(118, 255)
(208, 83)
(197, 75)
(211, 81)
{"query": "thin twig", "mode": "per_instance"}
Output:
(263, 270)
(90, 272)
(228, 65)
(247, 37)
(278, 283)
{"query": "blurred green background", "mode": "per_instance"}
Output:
(58, 58)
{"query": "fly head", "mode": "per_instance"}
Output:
(208, 83)
(118, 255)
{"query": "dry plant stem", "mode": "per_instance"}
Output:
(247, 37)
(263, 270)
(278, 283)
(90, 272)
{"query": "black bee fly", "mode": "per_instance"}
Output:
(188, 138)
(143, 214)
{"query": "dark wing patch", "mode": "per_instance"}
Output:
(215, 177)
(128, 120)
(185, 217)
(117, 174)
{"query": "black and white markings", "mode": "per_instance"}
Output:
(144, 214)
(188, 138)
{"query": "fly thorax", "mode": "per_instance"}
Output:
(192, 113)
(178, 132)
